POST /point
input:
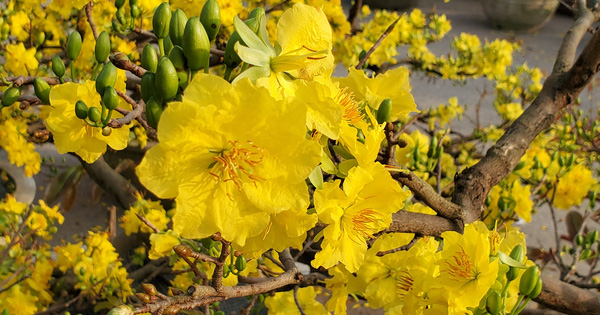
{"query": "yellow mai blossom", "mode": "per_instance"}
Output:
(285, 303)
(153, 211)
(232, 158)
(64, 7)
(354, 214)
(229, 8)
(162, 244)
(522, 198)
(416, 141)
(573, 187)
(19, 26)
(72, 134)
(393, 84)
(20, 61)
(304, 37)
(10, 204)
(466, 271)
(13, 139)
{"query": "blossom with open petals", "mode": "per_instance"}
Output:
(232, 157)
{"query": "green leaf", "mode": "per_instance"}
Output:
(249, 38)
(253, 74)
(327, 165)
(345, 167)
(316, 177)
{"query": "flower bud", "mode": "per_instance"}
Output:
(147, 86)
(182, 76)
(149, 58)
(39, 37)
(168, 44)
(149, 288)
(182, 250)
(119, 3)
(81, 110)
(518, 254)
(42, 90)
(106, 77)
(591, 237)
(106, 131)
(585, 254)
(102, 47)
(240, 263)
(135, 11)
(494, 303)
(58, 66)
(177, 57)
(94, 114)
(211, 18)
(153, 112)
(110, 98)
(165, 81)
(121, 310)
(177, 26)
(385, 111)
(529, 280)
(196, 45)
(537, 290)
(73, 45)
(10, 96)
(143, 297)
(172, 309)
(231, 57)
(579, 239)
(161, 20)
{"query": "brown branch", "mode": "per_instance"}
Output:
(399, 249)
(121, 61)
(568, 48)
(385, 34)
(148, 223)
(90, 18)
(23, 80)
(279, 6)
(217, 278)
(422, 190)
(297, 301)
(420, 223)
(353, 15)
(567, 298)
(111, 181)
(129, 116)
(559, 91)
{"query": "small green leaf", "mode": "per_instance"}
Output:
(316, 177)
(252, 56)
(249, 38)
(327, 165)
(253, 74)
(505, 259)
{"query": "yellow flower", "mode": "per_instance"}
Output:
(523, 203)
(162, 244)
(573, 187)
(68, 255)
(285, 303)
(19, 26)
(72, 134)
(354, 214)
(393, 84)
(10, 204)
(20, 61)
(153, 211)
(231, 157)
(465, 268)
(304, 36)
(416, 141)
(64, 7)
(52, 213)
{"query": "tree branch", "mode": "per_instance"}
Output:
(90, 18)
(23, 80)
(420, 223)
(560, 90)
(111, 181)
(567, 298)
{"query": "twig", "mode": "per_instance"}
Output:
(217, 277)
(148, 223)
(275, 261)
(90, 18)
(420, 223)
(112, 222)
(277, 7)
(121, 61)
(129, 116)
(398, 249)
(300, 309)
(353, 15)
(24, 80)
(246, 310)
(385, 34)
(388, 157)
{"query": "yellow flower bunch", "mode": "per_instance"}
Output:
(153, 211)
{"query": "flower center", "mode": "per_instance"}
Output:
(363, 223)
(459, 266)
(404, 282)
(236, 162)
(292, 61)
(352, 113)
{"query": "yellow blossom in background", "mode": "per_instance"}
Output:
(573, 187)
(68, 254)
(229, 9)
(416, 141)
(64, 7)
(10, 204)
(72, 134)
(161, 244)
(355, 214)
(20, 61)
(231, 158)
(510, 111)
(152, 211)
(521, 196)
(393, 84)
(284, 302)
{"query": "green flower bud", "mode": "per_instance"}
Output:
(226, 270)
(177, 26)
(529, 280)
(579, 239)
(153, 112)
(537, 290)
(166, 81)
(591, 237)
(231, 57)
(94, 114)
(119, 3)
(592, 196)
(518, 254)
(211, 18)
(182, 76)
(207, 243)
(149, 58)
(147, 86)
(58, 66)
(73, 45)
(10, 96)
(177, 57)
(121, 16)
(110, 98)
(81, 110)
(39, 37)
(433, 144)
(196, 45)
(102, 47)
(502, 204)
(161, 20)
(133, 2)
(256, 14)
(385, 111)
(585, 254)
(42, 90)
(494, 303)
(135, 11)
(106, 77)
(116, 26)
(106, 131)
(240, 263)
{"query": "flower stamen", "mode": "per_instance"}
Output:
(236, 161)
(459, 266)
